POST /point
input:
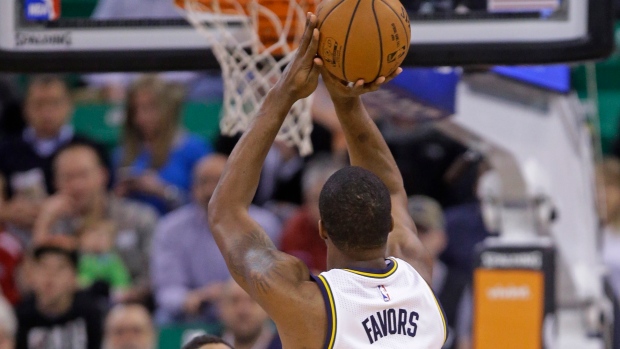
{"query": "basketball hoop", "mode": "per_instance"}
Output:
(252, 59)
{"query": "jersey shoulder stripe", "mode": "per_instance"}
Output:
(330, 307)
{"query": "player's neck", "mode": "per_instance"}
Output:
(370, 259)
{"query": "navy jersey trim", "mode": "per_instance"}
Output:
(389, 269)
(330, 310)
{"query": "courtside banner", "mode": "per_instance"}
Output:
(514, 305)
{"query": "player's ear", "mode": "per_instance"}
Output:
(322, 231)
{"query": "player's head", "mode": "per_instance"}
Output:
(355, 211)
(207, 342)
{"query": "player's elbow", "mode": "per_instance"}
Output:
(221, 209)
(215, 210)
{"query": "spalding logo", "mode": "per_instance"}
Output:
(331, 52)
(391, 57)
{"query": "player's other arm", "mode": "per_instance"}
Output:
(254, 262)
(368, 149)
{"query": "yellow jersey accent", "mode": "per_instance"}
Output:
(333, 311)
(443, 319)
(375, 275)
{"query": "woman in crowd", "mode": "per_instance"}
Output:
(156, 158)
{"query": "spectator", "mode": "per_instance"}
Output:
(207, 342)
(449, 285)
(10, 258)
(465, 228)
(129, 326)
(187, 268)
(82, 195)
(246, 324)
(57, 316)
(98, 262)
(26, 161)
(156, 158)
(300, 236)
(609, 191)
(8, 325)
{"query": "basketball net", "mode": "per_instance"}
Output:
(253, 41)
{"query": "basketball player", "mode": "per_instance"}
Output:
(365, 300)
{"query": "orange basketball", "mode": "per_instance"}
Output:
(363, 39)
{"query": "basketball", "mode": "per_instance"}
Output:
(363, 39)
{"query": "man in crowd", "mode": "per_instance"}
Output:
(8, 325)
(450, 285)
(58, 316)
(82, 195)
(300, 236)
(207, 342)
(246, 324)
(26, 160)
(185, 281)
(129, 326)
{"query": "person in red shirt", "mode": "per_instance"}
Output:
(300, 237)
(10, 258)
(11, 252)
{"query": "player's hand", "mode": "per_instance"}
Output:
(301, 76)
(340, 90)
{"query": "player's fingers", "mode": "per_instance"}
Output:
(373, 86)
(308, 33)
(394, 74)
(315, 71)
(312, 47)
(358, 86)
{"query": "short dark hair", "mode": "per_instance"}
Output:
(355, 209)
(81, 144)
(58, 245)
(46, 80)
(205, 339)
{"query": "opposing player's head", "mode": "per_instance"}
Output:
(355, 211)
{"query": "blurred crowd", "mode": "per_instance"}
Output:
(106, 249)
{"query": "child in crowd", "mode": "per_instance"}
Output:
(98, 261)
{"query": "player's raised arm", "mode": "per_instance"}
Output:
(368, 149)
(252, 259)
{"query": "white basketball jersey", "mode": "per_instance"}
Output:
(392, 308)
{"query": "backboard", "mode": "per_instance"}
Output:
(127, 36)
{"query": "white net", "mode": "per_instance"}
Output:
(253, 44)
